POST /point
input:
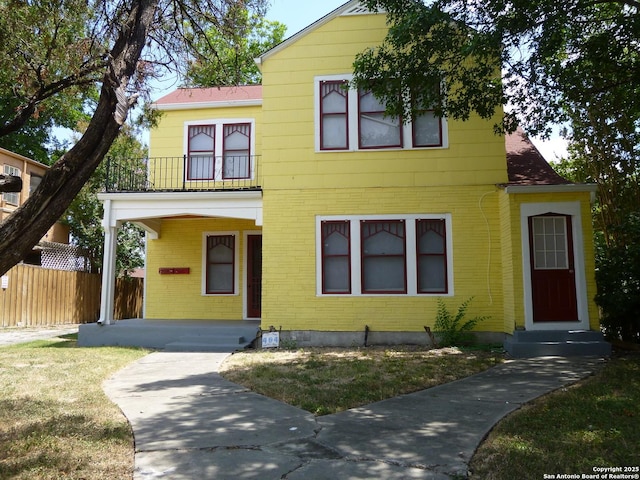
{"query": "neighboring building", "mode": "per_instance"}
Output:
(299, 203)
(31, 173)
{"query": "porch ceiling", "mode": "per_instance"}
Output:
(146, 209)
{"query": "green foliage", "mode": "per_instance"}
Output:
(453, 330)
(618, 279)
(225, 55)
(539, 59)
(48, 70)
(84, 215)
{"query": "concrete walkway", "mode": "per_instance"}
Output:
(190, 423)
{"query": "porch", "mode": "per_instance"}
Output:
(171, 335)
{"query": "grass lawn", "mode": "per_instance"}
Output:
(330, 380)
(55, 420)
(595, 423)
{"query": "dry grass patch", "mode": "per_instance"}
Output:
(330, 380)
(55, 420)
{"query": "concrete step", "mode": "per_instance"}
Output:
(202, 347)
(526, 344)
(207, 343)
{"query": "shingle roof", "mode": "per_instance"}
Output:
(211, 95)
(526, 165)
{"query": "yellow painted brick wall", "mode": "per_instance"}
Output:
(475, 156)
(511, 263)
(289, 267)
(180, 296)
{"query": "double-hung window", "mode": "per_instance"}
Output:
(221, 263)
(201, 160)
(349, 119)
(236, 151)
(220, 150)
(379, 255)
(12, 198)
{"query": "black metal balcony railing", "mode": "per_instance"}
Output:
(183, 174)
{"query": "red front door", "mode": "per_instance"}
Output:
(553, 279)
(254, 276)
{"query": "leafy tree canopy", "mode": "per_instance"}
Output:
(71, 47)
(226, 56)
(535, 57)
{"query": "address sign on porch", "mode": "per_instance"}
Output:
(173, 270)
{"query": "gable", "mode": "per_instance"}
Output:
(353, 7)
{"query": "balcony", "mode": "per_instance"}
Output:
(183, 174)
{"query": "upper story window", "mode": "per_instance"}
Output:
(12, 198)
(347, 119)
(220, 150)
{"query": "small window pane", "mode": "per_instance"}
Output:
(336, 275)
(221, 253)
(431, 242)
(334, 102)
(220, 278)
(336, 244)
(379, 130)
(432, 273)
(383, 243)
(200, 167)
(334, 131)
(236, 165)
(369, 103)
(426, 130)
(383, 274)
(236, 141)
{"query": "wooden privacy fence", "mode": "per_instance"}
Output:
(36, 296)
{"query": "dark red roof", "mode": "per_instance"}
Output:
(526, 165)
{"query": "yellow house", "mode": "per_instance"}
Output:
(298, 203)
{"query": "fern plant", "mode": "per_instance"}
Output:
(453, 330)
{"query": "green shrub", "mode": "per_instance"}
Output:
(453, 330)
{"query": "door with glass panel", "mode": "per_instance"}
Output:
(553, 279)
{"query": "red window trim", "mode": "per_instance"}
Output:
(224, 150)
(196, 153)
(363, 256)
(419, 233)
(360, 94)
(347, 224)
(229, 241)
(345, 94)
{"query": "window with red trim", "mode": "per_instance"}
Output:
(431, 250)
(236, 153)
(383, 245)
(334, 115)
(220, 264)
(201, 152)
(336, 257)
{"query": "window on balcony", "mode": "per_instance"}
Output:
(201, 152)
(347, 119)
(236, 151)
(398, 255)
(220, 149)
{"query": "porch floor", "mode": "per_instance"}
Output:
(172, 335)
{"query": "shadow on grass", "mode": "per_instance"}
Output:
(48, 440)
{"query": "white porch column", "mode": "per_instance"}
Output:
(107, 295)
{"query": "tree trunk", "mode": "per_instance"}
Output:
(29, 223)
(10, 183)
